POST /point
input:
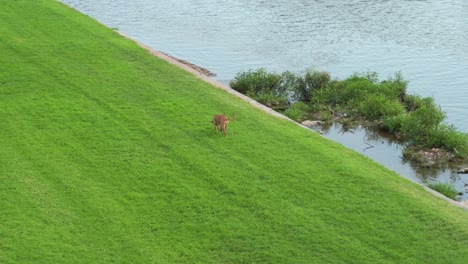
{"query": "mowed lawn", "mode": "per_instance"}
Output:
(107, 154)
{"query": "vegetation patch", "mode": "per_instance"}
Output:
(427, 157)
(417, 121)
(445, 188)
(108, 155)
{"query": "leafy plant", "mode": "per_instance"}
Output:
(417, 120)
(273, 101)
(394, 124)
(376, 106)
(297, 111)
(422, 124)
(256, 82)
(311, 81)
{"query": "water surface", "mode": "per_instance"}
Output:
(427, 40)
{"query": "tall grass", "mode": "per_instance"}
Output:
(107, 154)
(298, 111)
(444, 188)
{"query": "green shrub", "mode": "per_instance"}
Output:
(448, 138)
(413, 102)
(444, 188)
(355, 88)
(273, 101)
(311, 81)
(297, 111)
(256, 82)
(287, 84)
(328, 95)
(394, 124)
(270, 89)
(376, 106)
(416, 120)
(394, 87)
(422, 122)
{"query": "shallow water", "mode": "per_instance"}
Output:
(426, 40)
(386, 150)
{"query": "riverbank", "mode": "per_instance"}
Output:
(206, 76)
(110, 156)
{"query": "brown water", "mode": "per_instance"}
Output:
(427, 40)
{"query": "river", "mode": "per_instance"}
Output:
(427, 40)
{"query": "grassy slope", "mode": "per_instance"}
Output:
(107, 153)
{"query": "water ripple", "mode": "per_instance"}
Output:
(426, 40)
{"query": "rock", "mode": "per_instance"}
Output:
(429, 157)
(465, 170)
(310, 123)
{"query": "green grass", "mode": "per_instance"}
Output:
(107, 154)
(444, 188)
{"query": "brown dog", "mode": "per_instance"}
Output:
(221, 122)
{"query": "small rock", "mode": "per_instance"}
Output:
(310, 123)
(465, 170)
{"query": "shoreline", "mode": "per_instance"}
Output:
(206, 75)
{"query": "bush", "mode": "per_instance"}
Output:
(412, 102)
(394, 124)
(328, 95)
(256, 82)
(447, 137)
(416, 120)
(394, 87)
(312, 80)
(444, 188)
(422, 123)
(376, 106)
(272, 101)
(354, 89)
(297, 111)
